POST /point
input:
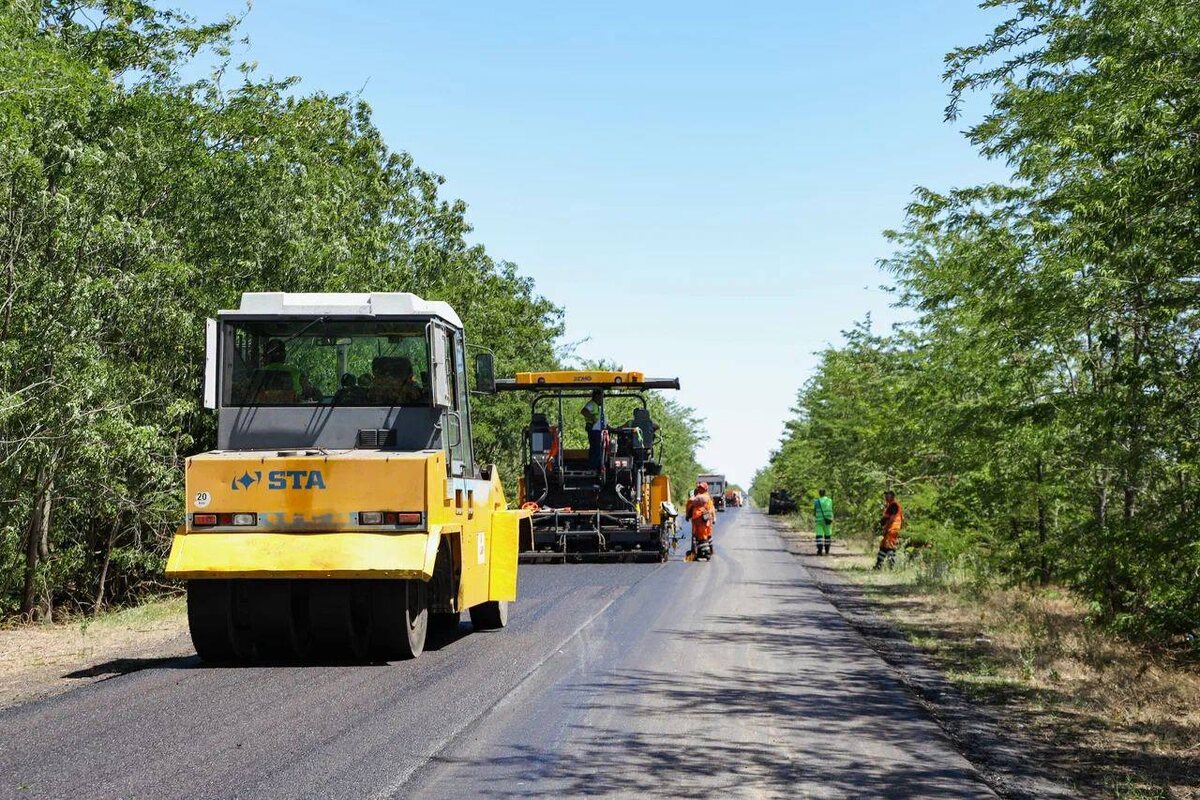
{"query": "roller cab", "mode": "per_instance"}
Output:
(343, 515)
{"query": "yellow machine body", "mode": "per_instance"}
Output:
(657, 492)
(608, 378)
(307, 522)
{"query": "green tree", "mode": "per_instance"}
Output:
(1041, 413)
(136, 204)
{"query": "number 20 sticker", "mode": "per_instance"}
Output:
(203, 499)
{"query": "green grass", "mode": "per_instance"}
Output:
(146, 613)
(1129, 789)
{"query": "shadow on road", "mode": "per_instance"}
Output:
(123, 666)
(604, 761)
(863, 736)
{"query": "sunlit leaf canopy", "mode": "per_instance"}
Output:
(1040, 419)
(137, 201)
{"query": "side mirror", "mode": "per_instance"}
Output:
(485, 373)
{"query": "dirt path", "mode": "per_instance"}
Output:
(42, 660)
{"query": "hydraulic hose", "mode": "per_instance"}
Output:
(621, 494)
(545, 483)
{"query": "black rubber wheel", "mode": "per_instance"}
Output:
(490, 616)
(210, 619)
(399, 618)
(444, 623)
(339, 616)
(279, 623)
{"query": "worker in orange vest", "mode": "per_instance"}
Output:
(702, 513)
(890, 523)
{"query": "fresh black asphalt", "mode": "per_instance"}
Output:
(734, 678)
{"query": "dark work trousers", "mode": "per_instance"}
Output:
(595, 449)
(886, 554)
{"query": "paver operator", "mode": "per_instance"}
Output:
(593, 416)
(823, 521)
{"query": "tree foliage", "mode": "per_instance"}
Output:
(1041, 415)
(135, 204)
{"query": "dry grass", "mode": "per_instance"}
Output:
(1121, 721)
(39, 660)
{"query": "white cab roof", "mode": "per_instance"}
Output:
(348, 304)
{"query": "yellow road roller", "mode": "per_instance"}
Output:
(343, 515)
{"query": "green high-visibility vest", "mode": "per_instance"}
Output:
(596, 412)
(292, 370)
(823, 513)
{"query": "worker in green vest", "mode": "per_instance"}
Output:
(596, 424)
(276, 360)
(823, 521)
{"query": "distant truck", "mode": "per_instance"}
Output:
(733, 498)
(781, 502)
(716, 489)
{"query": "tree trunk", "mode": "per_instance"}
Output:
(36, 536)
(1043, 557)
(44, 539)
(1015, 526)
(108, 546)
(1135, 407)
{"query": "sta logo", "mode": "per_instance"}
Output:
(245, 481)
(279, 479)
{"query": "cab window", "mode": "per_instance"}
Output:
(315, 361)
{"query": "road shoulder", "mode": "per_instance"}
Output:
(1007, 761)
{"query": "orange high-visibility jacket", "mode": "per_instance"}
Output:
(696, 507)
(891, 533)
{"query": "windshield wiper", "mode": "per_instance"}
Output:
(304, 330)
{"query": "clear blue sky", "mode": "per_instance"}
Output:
(702, 186)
